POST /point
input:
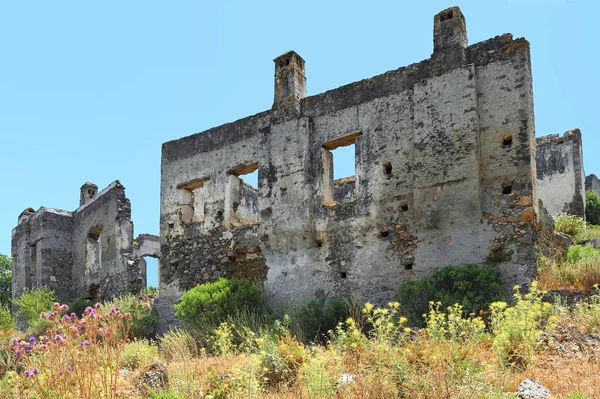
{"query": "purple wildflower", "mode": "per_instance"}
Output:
(28, 374)
(64, 308)
(34, 371)
(14, 342)
(43, 315)
(28, 347)
(58, 338)
(97, 305)
(85, 343)
(45, 339)
(32, 340)
(70, 368)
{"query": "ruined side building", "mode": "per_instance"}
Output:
(445, 175)
(88, 253)
(560, 174)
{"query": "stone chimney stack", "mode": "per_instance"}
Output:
(88, 192)
(450, 34)
(290, 81)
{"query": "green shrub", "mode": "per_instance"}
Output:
(578, 252)
(30, 304)
(212, 302)
(6, 319)
(78, 305)
(592, 207)
(138, 353)
(143, 317)
(312, 320)
(474, 287)
(569, 224)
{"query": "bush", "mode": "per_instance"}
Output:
(138, 353)
(474, 287)
(569, 224)
(312, 320)
(6, 319)
(79, 305)
(578, 252)
(592, 207)
(212, 302)
(143, 317)
(30, 304)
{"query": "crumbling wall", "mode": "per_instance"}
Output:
(42, 251)
(592, 183)
(560, 174)
(85, 253)
(444, 176)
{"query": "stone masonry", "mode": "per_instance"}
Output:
(592, 183)
(560, 175)
(445, 175)
(89, 252)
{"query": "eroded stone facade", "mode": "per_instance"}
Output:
(560, 174)
(89, 252)
(445, 175)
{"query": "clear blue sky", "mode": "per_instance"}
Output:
(90, 90)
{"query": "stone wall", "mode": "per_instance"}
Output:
(85, 253)
(444, 157)
(592, 183)
(560, 174)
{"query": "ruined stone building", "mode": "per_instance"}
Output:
(560, 174)
(89, 252)
(592, 183)
(445, 175)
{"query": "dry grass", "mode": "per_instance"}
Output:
(580, 275)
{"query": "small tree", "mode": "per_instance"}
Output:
(592, 207)
(5, 280)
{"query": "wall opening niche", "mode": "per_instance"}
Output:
(93, 250)
(241, 196)
(339, 169)
(192, 200)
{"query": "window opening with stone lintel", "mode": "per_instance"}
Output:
(339, 168)
(192, 200)
(241, 196)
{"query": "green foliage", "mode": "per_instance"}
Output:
(569, 224)
(312, 320)
(5, 280)
(212, 302)
(138, 353)
(178, 345)
(473, 286)
(143, 317)
(577, 395)
(451, 325)
(578, 252)
(520, 329)
(6, 319)
(79, 305)
(592, 207)
(164, 395)
(31, 303)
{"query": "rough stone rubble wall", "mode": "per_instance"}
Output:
(85, 253)
(560, 174)
(592, 183)
(444, 176)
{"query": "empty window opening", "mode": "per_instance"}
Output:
(93, 249)
(387, 168)
(241, 196)
(339, 168)
(149, 270)
(343, 274)
(192, 200)
(404, 206)
(408, 266)
(507, 141)
(506, 189)
(32, 267)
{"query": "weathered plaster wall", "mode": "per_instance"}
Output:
(560, 174)
(444, 176)
(592, 183)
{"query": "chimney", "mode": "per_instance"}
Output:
(88, 192)
(290, 81)
(450, 33)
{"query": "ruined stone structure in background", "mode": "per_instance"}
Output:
(89, 252)
(445, 175)
(592, 183)
(560, 174)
